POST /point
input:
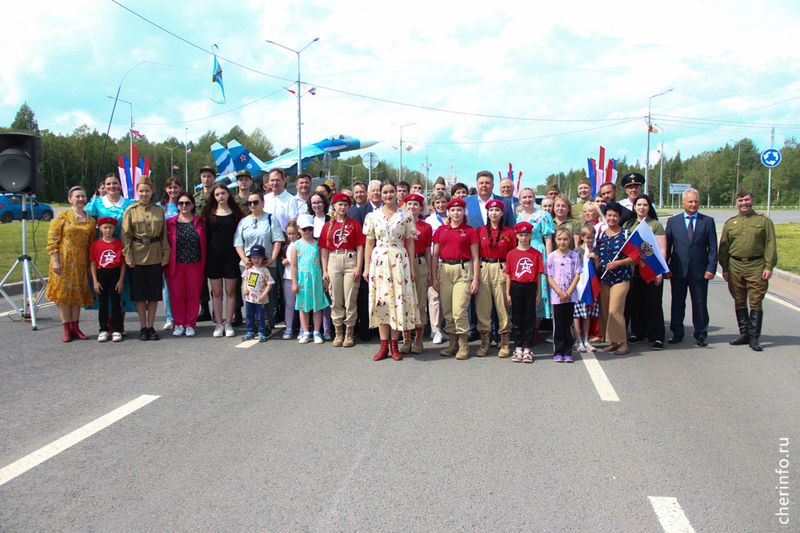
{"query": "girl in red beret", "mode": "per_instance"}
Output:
(415, 203)
(524, 268)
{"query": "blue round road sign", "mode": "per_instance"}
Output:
(770, 158)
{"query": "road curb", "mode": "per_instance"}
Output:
(15, 289)
(786, 276)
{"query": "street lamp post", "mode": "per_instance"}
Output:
(661, 177)
(649, 127)
(738, 165)
(299, 95)
(130, 138)
(401, 147)
(351, 172)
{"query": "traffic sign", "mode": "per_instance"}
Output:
(370, 160)
(770, 158)
(679, 188)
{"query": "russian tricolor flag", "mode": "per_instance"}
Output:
(643, 248)
(589, 283)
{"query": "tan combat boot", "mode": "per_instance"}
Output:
(463, 349)
(348, 337)
(338, 340)
(406, 347)
(484, 349)
(451, 350)
(505, 351)
(417, 347)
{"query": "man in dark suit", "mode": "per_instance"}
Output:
(692, 259)
(359, 213)
(476, 204)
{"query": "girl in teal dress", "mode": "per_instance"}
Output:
(113, 204)
(543, 229)
(307, 282)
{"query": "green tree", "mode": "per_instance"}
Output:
(25, 121)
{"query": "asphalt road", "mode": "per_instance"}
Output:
(288, 437)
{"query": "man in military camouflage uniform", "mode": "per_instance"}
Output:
(747, 255)
(244, 180)
(208, 176)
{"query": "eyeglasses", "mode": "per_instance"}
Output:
(183, 204)
(306, 229)
(317, 203)
(253, 202)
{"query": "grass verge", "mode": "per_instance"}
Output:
(788, 237)
(11, 248)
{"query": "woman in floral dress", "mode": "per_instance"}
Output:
(390, 236)
(68, 240)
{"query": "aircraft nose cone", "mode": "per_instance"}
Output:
(367, 144)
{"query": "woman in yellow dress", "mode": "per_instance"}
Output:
(68, 240)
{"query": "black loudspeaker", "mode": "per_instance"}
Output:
(19, 163)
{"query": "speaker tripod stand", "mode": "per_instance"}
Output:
(29, 300)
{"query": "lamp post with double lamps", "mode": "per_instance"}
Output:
(649, 127)
(299, 95)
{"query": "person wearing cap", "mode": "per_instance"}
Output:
(341, 245)
(256, 284)
(187, 243)
(69, 237)
(261, 228)
(496, 240)
(332, 188)
(114, 204)
(415, 204)
(456, 251)
(393, 305)
(584, 195)
(524, 270)
(417, 187)
(633, 184)
(307, 281)
(553, 191)
(244, 180)
(208, 175)
(147, 251)
(748, 255)
(440, 185)
(108, 273)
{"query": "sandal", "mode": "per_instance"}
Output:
(622, 351)
(527, 357)
(517, 356)
(611, 347)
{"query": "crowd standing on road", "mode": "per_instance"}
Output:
(383, 257)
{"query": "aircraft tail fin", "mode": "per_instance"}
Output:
(244, 160)
(223, 159)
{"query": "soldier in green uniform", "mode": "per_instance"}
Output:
(244, 180)
(747, 255)
(208, 176)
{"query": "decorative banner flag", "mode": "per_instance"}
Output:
(137, 134)
(589, 283)
(643, 248)
(592, 165)
(216, 76)
(128, 176)
(291, 91)
(313, 91)
(510, 176)
(188, 150)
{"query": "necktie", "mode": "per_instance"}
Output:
(690, 229)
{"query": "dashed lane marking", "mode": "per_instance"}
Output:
(247, 344)
(41, 455)
(599, 378)
(670, 514)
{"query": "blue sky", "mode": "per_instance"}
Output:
(569, 75)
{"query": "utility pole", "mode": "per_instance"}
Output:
(769, 181)
(171, 164)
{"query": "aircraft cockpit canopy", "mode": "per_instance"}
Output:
(339, 137)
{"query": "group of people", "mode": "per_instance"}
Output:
(480, 266)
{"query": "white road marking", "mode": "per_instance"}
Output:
(247, 344)
(670, 514)
(43, 454)
(771, 297)
(599, 378)
(12, 312)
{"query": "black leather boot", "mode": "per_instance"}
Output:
(744, 322)
(755, 329)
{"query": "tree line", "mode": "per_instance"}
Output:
(74, 159)
(713, 174)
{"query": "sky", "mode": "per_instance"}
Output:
(539, 85)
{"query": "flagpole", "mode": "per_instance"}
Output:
(187, 158)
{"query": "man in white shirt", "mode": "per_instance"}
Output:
(303, 184)
(279, 203)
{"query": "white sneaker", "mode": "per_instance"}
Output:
(103, 337)
(190, 331)
(116, 336)
(219, 331)
(437, 338)
(549, 339)
(178, 331)
(169, 324)
(229, 331)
